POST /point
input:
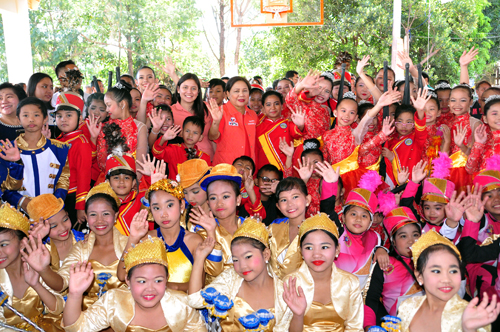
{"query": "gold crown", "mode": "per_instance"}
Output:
(427, 240)
(103, 188)
(149, 251)
(253, 229)
(12, 219)
(44, 206)
(167, 185)
(319, 221)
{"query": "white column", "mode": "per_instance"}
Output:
(396, 32)
(16, 28)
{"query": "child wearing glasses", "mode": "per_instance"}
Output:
(267, 180)
(404, 150)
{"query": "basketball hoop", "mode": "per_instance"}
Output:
(276, 11)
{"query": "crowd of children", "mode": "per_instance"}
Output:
(324, 203)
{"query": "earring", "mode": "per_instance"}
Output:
(267, 262)
(420, 283)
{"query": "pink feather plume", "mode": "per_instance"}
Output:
(442, 166)
(386, 202)
(370, 181)
(493, 163)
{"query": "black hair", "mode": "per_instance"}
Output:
(347, 84)
(32, 101)
(18, 91)
(404, 109)
(253, 242)
(199, 107)
(236, 187)
(224, 78)
(131, 271)
(275, 84)
(488, 105)
(95, 96)
(19, 234)
(33, 82)
(257, 78)
(166, 108)
(359, 80)
(286, 79)
(291, 74)
(164, 87)
(363, 108)
(396, 85)
(270, 168)
(272, 93)
(246, 158)
(145, 67)
(335, 240)
(436, 101)
(312, 146)
(118, 95)
(121, 171)
(465, 88)
(290, 183)
(110, 200)
(389, 69)
(481, 83)
(128, 76)
(425, 75)
(253, 90)
(195, 120)
(61, 66)
(424, 257)
(327, 78)
(216, 82)
(235, 79)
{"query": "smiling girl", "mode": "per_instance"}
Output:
(10, 96)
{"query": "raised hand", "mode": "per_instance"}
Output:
(171, 133)
(10, 151)
(42, 228)
(474, 206)
(389, 97)
(147, 166)
(81, 276)
(404, 57)
(476, 316)
(207, 221)
(215, 111)
(139, 226)
(296, 302)
(94, 126)
(249, 183)
(446, 133)
(419, 172)
(285, 148)
(169, 66)
(455, 208)
(403, 175)
(422, 99)
(204, 248)
(305, 169)
(327, 172)
(388, 126)
(157, 118)
(151, 91)
(46, 130)
(362, 64)
(459, 135)
(480, 135)
(35, 253)
(468, 56)
(310, 83)
(159, 171)
(386, 153)
(299, 117)
(31, 277)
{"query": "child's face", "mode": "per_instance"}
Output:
(217, 93)
(272, 107)
(404, 123)
(31, 118)
(335, 91)
(67, 121)
(432, 112)
(444, 100)
(372, 124)
(101, 217)
(283, 87)
(128, 80)
(459, 102)
(188, 91)
(405, 237)
(62, 75)
(10, 247)
(60, 226)
(239, 94)
(293, 203)
(441, 276)
(44, 89)
(392, 112)
(434, 212)
(486, 95)
(379, 79)
(413, 89)
(265, 180)
(195, 195)
(145, 76)
(378, 218)
(136, 102)
(314, 159)
(114, 110)
(98, 108)
(122, 184)
(244, 167)
(169, 121)
(319, 251)
(326, 91)
(8, 102)
(147, 284)
(346, 113)
(163, 98)
(222, 199)
(255, 102)
(492, 119)
(357, 220)
(165, 208)
(248, 261)
(493, 203)
(191, 134)
(362, 90)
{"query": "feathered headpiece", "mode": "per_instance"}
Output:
(490, 177)
(118, 158)
(437, 188)
(395, 216)
(74, 77)
(364, 196)
(343, 57)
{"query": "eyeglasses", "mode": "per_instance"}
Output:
(402, 124)
(266, 179)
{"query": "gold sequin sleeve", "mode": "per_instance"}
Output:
(63, 181)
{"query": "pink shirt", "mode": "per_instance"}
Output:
(180, 114)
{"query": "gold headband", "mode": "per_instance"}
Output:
(319, 221)
(150, 251)
(253, 229)
(428, 240)
(12, 219)
(103, 188)
(167, 185)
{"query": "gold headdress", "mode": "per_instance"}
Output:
(12, 219)
(44, 206)
(319, 221)
(103, 188)
(253, 229)
(149, 251)
(169, 186)
(427, 240)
